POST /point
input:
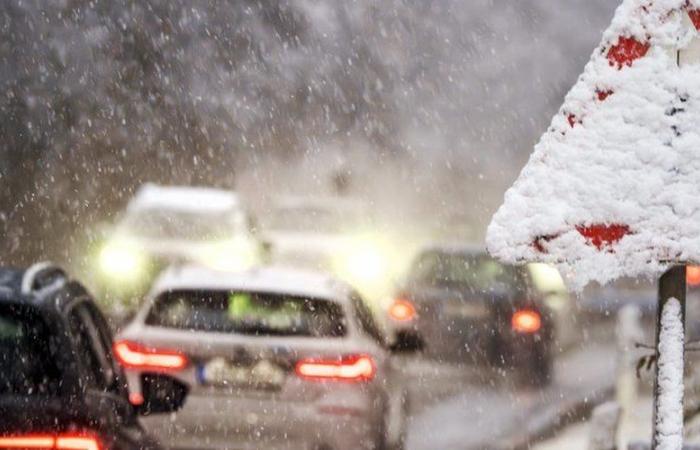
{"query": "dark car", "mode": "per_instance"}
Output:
(60, 387)
(461, 305)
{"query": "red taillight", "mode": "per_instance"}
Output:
(402, 310)
(136, 398)
(136, 356)
(347, 368)
(51, 442)
(526, 321)
(77, 443)
(27, 442)
(692, 275)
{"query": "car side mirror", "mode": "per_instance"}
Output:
(406, 342)
(161, 394)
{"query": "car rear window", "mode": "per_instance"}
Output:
(27, 364)
(477, 272)
(247, 313)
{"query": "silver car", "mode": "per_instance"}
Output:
(275, 358)
(164, 225)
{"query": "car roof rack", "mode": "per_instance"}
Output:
(41, 275)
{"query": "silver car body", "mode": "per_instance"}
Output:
(302, 413)
(165, 225)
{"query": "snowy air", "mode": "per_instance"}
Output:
(357, 225)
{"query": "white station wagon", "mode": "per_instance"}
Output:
(275, 358)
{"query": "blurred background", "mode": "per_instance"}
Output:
(370, 139)
(427, 108)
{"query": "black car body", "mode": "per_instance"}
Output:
(464, 306)
(59, 384)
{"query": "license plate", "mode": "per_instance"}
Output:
(471, 310)
(221, 372)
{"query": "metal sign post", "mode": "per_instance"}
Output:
(672, 285)
(672, 288)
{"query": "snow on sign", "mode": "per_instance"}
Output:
(613, 187)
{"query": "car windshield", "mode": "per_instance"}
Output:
(479, 273)
(169, 224)
(28, 364)
(243, 312)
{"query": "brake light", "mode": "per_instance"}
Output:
(402, 310)
(526, 321)
(136, 398)
(347, 368)
(51, 442)
(77, 443)
(692, 275)
(27, 442)
(136, 356)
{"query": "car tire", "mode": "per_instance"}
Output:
(400, 443)
(539, 369)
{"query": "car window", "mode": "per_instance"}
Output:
(103, 343)
(96, 360)
(168, 224)
(365, 319)
(26, 357)
(476, 272)
(242, 312)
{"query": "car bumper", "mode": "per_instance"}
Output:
(477, 342)
(249, 423)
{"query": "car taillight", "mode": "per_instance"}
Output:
(526, 321)
(402, 310)
(50, 442)
(136, 398)
(136, 356)
(346, 368)
(692, 275)
(77, 443)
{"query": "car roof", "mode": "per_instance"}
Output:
(269, 279)
(10, 280)
(184, 198)
(34, 285)
(464, 248)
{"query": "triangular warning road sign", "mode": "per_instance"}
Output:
(613, 186)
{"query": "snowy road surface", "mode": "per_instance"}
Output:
(457, 409)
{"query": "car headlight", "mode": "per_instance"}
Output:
(122, 261)
(364, 261)
(366, 264)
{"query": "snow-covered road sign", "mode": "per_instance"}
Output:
(613, 187)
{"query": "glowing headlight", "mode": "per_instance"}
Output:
(121, 261)
(366, 261)
(366, 264)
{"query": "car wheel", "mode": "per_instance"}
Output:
(399, 442)
(539, 369)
